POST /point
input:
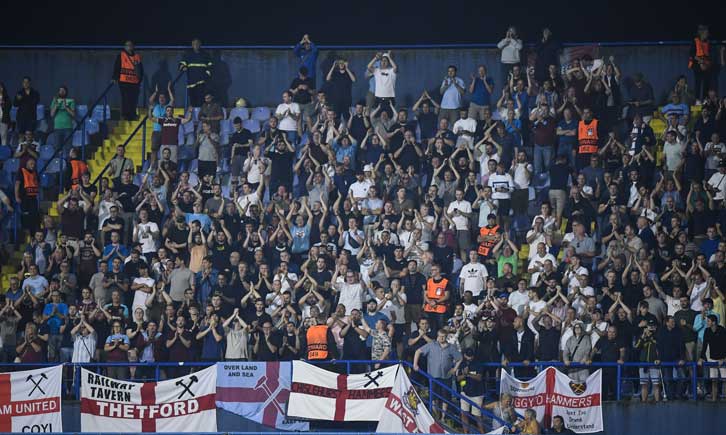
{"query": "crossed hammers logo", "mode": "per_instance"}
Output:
(186, 387)
(372, 379)
(36, 384)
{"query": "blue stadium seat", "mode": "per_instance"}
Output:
(240, 112)
(48, 180)
(225, 126)
(13, 113)
(92, 126)
(98, 113)
(194, 166)
(78, 139)
(253, 125)
(261, 113)
(6, 179)
(186, 153)
(11, 166)
(40, 164)
(187, 128)
(195, 114)
(40, 112)
(46, 152)
(81, 111)
(55, 166)
(5, 152)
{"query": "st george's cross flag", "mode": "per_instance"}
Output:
(552, 393)
(318, 394)
(30, 400)
(258, 391)
(184, 404)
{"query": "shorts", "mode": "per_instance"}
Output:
(155, 141)
(412, 313)
(651, 374)
(463, 238)
(439, 392)
(466, 406)
(713, 372)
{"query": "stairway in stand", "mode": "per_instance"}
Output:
(119, 131)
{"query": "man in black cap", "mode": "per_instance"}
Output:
(471, 385)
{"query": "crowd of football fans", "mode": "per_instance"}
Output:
(565, 214)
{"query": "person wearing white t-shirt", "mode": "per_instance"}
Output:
(537, 262)
(574, 273)
(465, 128)
(384, 76)
(146, 233)
(288, 113)
(502, 187)
(473, 275)
(536, 235)
(248, 197)
(519, 298)
(359, 189)
(717, 183)
(142, 286)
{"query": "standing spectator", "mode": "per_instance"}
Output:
(442, 362)
(26, 100)
(714, 351)
(5, 104)
(128, 71)
(510, 48)
(84, 341)
(518, 346)
(545, 136)
(701, 60)
(178, 344)
(208, 143)
(198, 65)
(303, 89)
(451, 89)
(288, 113)
(157, 111)
(577, 350)
(307, 53)
(385, 80)
(340, 87)
(116, 348)
(609, 350)
(211, 111)
(63, 112)
(647, 348)
(27, 187)
(548, 53)
(481, 89)
(469, 377)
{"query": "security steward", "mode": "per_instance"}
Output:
(588, 136)
(198, 65)
(489, 236)
(128, 71)
(319, 343)
(437, 298)
(27, 186)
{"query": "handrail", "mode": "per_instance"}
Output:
(79, 125)
(340, 46)
(141, 124)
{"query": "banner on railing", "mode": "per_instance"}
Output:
(404, 411)
(257, 391)
(318, 394)
(30, 400)
(553, 393)
(184, 404)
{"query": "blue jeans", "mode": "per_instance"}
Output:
(542, 158)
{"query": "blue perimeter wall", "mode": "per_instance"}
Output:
(261, 74)
(671, 418)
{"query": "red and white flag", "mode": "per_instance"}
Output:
(404, 412)
(184, 404)
(552, 393)
(318, 394)
(30, 401)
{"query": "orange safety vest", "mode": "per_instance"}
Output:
(487, 245)
(128, 68)
(703, 51)
(317, 337)
(30, 182)
(587, 136)
(436, 291)
(78, 168)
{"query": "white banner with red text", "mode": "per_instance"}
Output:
(552, 393)
(318, 394)
(184, 404)
(30, 400)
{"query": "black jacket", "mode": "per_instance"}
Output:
(515, 353)
(27, 105)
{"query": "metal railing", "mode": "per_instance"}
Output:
(141, 126)
(443, 399)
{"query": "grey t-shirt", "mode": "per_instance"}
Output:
(180, 280)
(440, 360)
(207, 148)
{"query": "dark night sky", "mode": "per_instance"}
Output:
(351, 21)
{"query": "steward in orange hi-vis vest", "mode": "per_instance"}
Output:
(587, 137)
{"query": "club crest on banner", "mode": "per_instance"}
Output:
(412, 401)
(578, 387)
